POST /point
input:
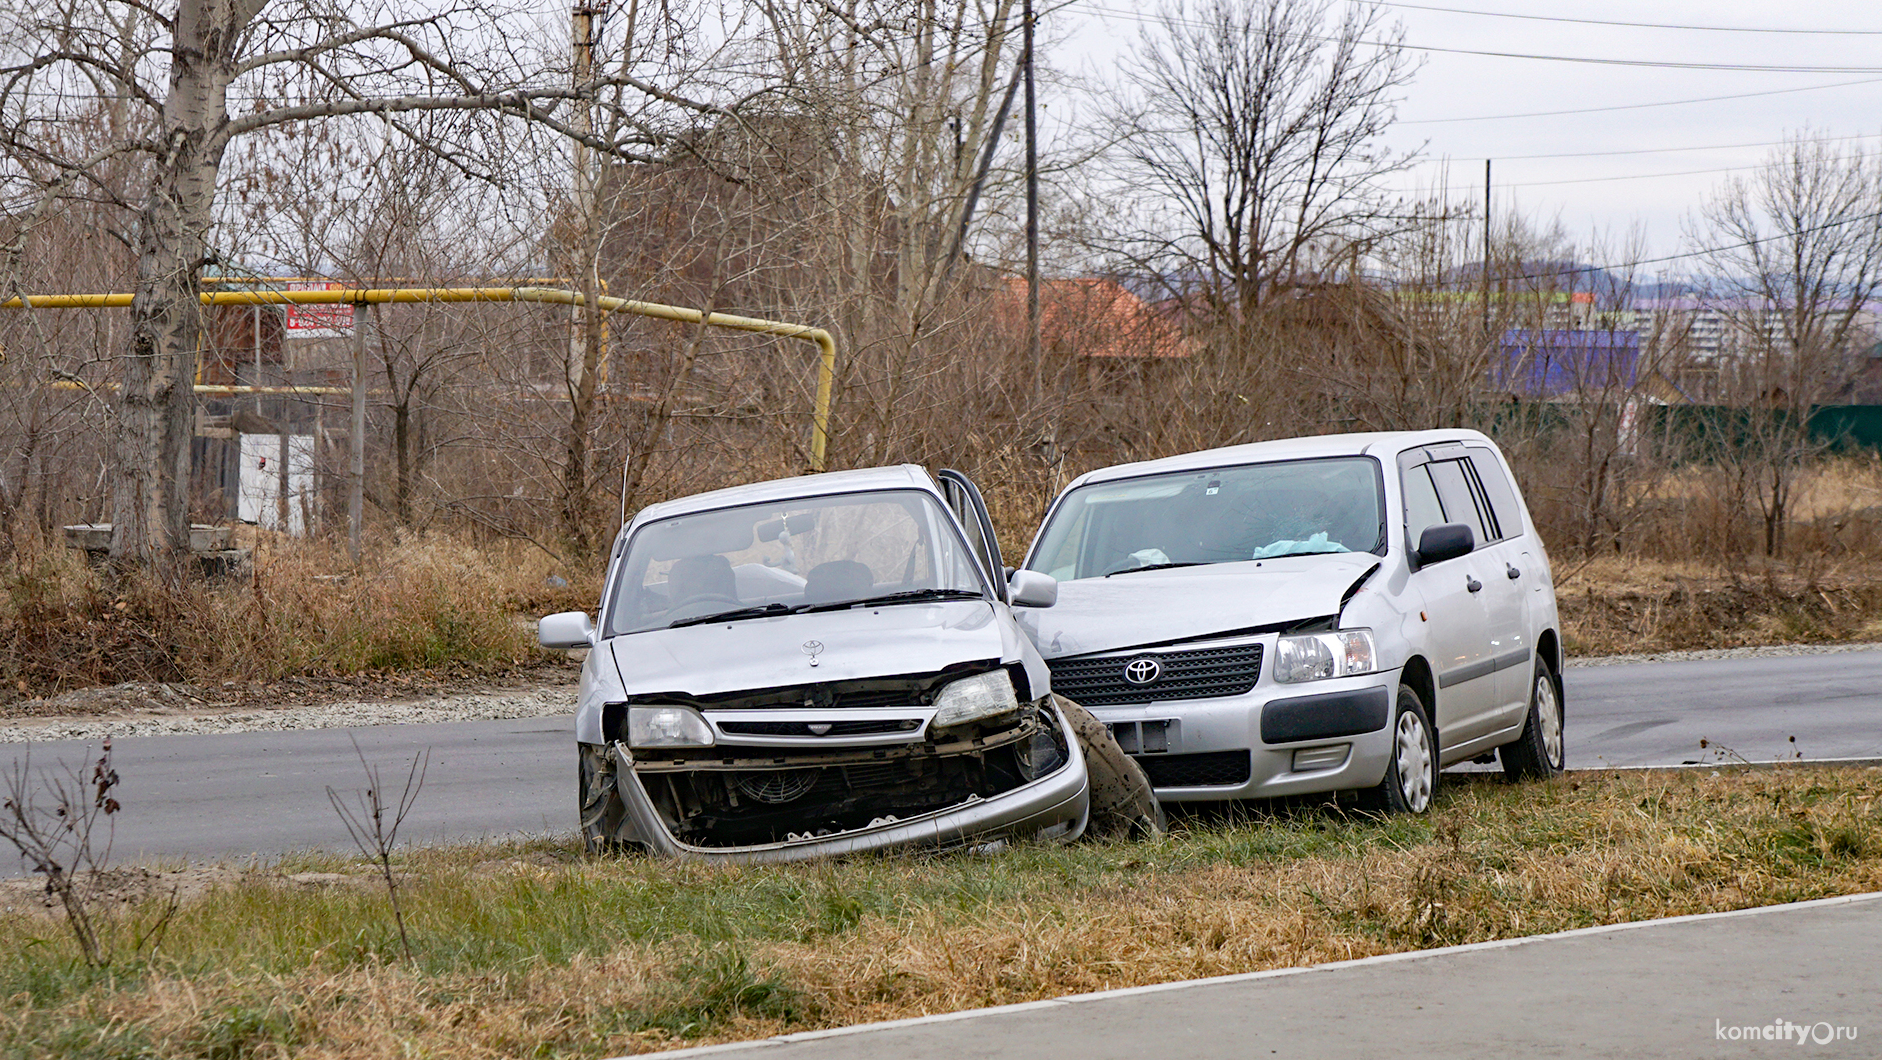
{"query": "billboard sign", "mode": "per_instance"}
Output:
(323, 321)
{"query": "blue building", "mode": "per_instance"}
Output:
(1537, 363)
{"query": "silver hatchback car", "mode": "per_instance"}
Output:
(817, 666)
(1350, 612)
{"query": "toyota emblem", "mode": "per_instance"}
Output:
(1143, 670)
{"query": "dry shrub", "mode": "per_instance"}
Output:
(1613, 605)
(426, 602)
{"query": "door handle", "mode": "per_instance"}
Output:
(1513, 572)
(1472, 584)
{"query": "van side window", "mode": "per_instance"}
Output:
(1421, 505)
(1455, 494)
(1504, 509)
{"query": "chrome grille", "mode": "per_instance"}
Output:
(1194, 673)
(870, 727)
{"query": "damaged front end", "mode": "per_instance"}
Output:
(814, 771)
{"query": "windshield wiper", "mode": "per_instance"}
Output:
(909, 596)
(1151, 566)
(733, 615)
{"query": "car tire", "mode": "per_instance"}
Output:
(1539, 752)
(1411, 776)
(601, 808)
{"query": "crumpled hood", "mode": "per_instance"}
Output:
(726, 657)
(1154, 607)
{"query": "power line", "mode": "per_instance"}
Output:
(1655, 64)
(1671, 150)
(1637, 176)
(1704, 251)
(1642, 106)
(1658, 64)
(1632, 25)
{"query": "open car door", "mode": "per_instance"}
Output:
(964, 498)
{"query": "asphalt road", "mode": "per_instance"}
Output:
(234, 796)
(1649, 714)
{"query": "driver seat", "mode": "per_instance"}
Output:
(701, 576)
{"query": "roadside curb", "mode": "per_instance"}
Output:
(1272, 973)
(1777, 764)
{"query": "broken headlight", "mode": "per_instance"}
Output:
(667, 727)
(975, 698)
(1322, 655)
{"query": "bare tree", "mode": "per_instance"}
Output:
(1250, 131)
(205, 73)
(1795, 254)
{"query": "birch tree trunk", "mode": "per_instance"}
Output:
(157, 400)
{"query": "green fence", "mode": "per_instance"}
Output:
(1709, 428)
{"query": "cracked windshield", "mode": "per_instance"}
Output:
(1217, 515)
(759, 560)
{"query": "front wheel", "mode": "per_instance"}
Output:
(1411, 779)
(601, 808)
(1538, 753)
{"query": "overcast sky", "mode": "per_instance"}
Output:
(1451, 108)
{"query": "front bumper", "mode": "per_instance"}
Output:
(1320, 738)
(1057, 805)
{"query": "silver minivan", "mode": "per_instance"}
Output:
(1348, 612)
(817, 666)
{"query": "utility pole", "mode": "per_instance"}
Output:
(1034, 348)
(356, 464)
(1486, 250)
(586, 20)
(587, 320)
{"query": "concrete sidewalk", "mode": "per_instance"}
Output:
(1664, 988)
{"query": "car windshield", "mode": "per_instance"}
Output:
(800, 554)
(1218, 515)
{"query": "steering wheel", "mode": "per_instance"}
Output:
(706, 598)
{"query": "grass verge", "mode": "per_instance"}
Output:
(418, 604)
(531, 950)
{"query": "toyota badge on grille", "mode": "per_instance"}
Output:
(1143, 670)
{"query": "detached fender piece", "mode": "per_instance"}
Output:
(1122, 803)
(1062, 799)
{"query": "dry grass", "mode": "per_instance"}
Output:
(450, 606)
(534, 951)
(417, 603)
(1612, 605)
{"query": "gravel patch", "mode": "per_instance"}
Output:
(1772, 651)
(482, 706)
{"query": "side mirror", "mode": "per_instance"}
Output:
(1029, 588)
(1442, 542)
(570, 629)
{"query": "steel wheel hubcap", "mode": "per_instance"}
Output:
(1549, 716)
(1414, 762)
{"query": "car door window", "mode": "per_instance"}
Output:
(1421, 505)
(1454, 494)
(963, 498)
(1505, 512)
